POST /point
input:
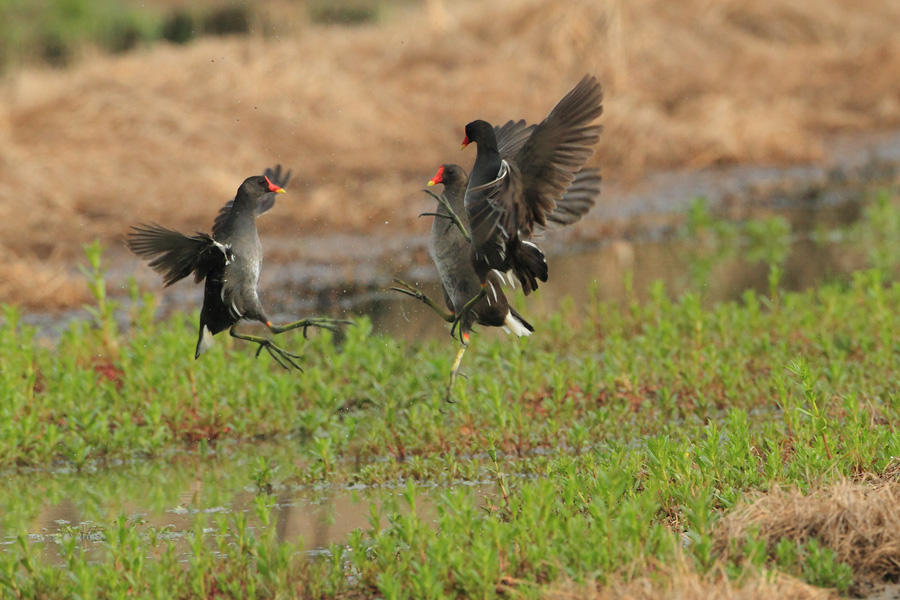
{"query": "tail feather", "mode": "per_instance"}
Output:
(204, 341)
(175, 255)
(514, 323)
(529, 265)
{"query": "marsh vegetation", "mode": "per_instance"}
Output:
(647, 444)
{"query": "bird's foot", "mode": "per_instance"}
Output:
(405, 288)
(461, 314)
(442, 200)
(286, 360)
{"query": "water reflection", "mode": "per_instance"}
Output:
(170, 496)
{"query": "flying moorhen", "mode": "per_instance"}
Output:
(510, 193)
(229, 260)
(451, 251)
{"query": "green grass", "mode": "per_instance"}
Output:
(614, 439)
(54, 32)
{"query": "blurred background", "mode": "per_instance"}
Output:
(114, 112)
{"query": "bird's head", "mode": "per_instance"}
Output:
(479, 132)
(256, 186)
(449, 175)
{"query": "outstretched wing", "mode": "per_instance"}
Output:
(556, 150)
(175, 255)
(265, 202)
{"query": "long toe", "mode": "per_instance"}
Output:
(456, 329)
(330, 324)
(448, 396)
(277, 359)
(284, 358)
(291, 354)
(415, 294)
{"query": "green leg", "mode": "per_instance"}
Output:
(305, 324)
(409, 290)
(284, 358)
(455, 371)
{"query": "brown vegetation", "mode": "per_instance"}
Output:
(365, 114)
(686, 584)
(857, 520)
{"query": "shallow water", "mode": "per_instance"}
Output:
(169, 494)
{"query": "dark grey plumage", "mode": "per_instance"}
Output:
(229, 260)
(452, 252)
(452, 255)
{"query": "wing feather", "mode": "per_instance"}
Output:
(175, 255)
(511, 136)
(579, 198)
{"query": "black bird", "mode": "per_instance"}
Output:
(451, 250)
(229, 260)
(512, 191)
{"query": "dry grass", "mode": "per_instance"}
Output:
(857, 520)
(684, 583)
(365, 114)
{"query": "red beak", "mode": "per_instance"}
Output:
(274, 188)
(465, 142)
(437, 178)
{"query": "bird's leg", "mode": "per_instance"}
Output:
(468, 306)
(442, 200)
(305, 324)
(455, 371)
(284, 358)
(409, 290)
